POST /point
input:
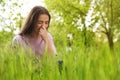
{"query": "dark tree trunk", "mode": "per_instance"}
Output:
(110, 40)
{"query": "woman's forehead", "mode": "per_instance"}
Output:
(43, 17)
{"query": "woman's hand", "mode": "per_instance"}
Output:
(43, 33)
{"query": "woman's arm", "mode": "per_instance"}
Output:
(50, 47)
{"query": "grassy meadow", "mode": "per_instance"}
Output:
(81, 63)
(82, 31)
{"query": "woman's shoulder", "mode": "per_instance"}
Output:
(17, 37)
(17, 40)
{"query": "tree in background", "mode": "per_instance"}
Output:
(71, 15)
(103, 17)
(10, 19)
(108, 16)
(11, 16)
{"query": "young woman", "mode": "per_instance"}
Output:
(34, 34)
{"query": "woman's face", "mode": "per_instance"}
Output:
(43, 21)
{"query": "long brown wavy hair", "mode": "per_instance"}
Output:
(32, 18)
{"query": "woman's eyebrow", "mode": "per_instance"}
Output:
(44, 21)
(39, 21)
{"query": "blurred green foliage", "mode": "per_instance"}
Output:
(85, 55)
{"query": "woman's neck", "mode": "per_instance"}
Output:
(35, 35)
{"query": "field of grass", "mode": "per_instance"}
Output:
(93, 63)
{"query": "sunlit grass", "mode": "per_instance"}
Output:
(77, 65)
(81, 63)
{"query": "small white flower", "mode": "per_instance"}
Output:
(68, 49)
(69, 36)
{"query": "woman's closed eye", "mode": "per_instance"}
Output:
(40, 22)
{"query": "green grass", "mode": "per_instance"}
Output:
(91, 64)
(82, 63)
